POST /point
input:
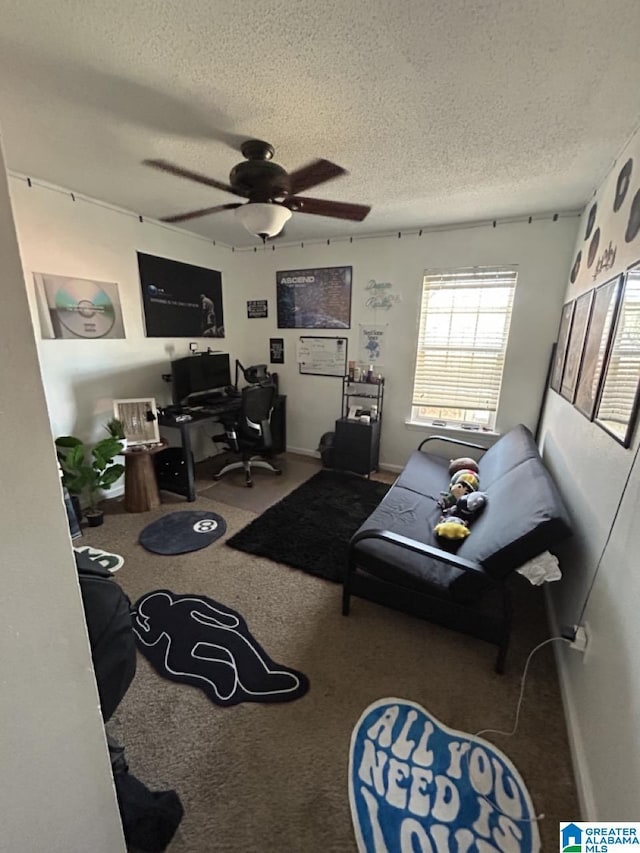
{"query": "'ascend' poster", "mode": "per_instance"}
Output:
(180, 300)
(314, 299)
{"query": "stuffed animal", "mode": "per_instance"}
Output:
(451, 527)
(468, 507)
(464, 462)
(462, 483)
(463, 503)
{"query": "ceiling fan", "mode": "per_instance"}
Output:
(272, 192)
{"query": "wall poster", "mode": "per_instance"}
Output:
(581, 314)
(605, 301)
(561, 347)
(78, 308)
(276, 350)
(314, 298)
(257, 308)
(617, 407)
(180, 300)
(322, 356)
(373, 343)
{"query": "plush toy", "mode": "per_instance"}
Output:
(462, 483)
(460, 505)
(451, 527)
(468, 507)
(464, 462)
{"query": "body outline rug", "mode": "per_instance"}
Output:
(210, 647)
(412, 786)
(310, 528)
(182, 532)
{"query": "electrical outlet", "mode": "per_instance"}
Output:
(580, 642)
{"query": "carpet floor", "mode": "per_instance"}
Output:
(268, 487)
(273, 778)
(309, 529)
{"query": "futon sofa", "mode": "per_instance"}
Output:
(395, 558)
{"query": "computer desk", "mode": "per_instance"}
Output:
(187, 486)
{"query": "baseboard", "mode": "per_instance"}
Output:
(302, 451)
(584, 787)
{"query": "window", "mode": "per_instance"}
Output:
(462, 340)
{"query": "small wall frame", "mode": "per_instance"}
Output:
(617, 407)
(140, 418)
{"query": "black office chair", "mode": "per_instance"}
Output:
(248, 432)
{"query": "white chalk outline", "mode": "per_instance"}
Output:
(142, 622)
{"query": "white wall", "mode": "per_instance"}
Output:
(56, 788)
(87, 240)
(602, 689)
(60, 236)
(541, 251)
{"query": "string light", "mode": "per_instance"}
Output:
(418, 232)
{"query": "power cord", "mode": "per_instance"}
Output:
(513, 731)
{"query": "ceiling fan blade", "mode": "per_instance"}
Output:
(313, 174)
(164, 166)
(182, 217)
(323, 207)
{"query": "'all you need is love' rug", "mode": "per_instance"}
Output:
(417, 786)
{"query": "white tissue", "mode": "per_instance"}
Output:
(542, 568)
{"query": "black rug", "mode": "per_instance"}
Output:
(310, 528)
(195, 640)
(181, 532)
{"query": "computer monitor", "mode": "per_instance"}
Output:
(196, 377)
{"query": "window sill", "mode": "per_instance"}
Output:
(453, 431)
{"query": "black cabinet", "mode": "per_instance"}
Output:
(356, 446)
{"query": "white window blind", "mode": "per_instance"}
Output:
(462, 340)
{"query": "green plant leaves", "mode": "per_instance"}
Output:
(80, 475)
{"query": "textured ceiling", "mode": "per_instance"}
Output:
(442, 111)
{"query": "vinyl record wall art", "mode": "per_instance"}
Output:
(78, 308)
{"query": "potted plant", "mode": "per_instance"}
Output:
(91, 474)
(115, 428)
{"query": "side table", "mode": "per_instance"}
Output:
(140, 484)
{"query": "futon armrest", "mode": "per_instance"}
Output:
(449, 440)
(413, 545)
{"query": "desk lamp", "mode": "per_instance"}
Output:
(255, 374)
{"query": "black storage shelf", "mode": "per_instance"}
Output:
(357, 444)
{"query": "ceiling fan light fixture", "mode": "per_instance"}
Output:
(263, 219)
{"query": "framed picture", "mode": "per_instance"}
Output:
(180, 300)
(617, 406)
(573, 358)
(598, 338)
(140, 419)
(257, 308)
(78, 308)
(276, 350)
(314, 299)
(561, 347)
